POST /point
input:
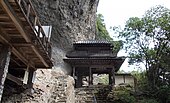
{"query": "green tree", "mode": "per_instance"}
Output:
(147, 40)
(103, 34)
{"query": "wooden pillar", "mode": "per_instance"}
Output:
(90, 77)
(113, 76)
(5, 54)
(74, 76)
(110, 79)
(79, 81)
(124, 79)
(29, 77)
(74, 70)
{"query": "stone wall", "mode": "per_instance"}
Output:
(49, 87)
(62, 90)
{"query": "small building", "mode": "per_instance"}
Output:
(125, 79)
(93, 57)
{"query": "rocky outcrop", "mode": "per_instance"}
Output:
(49, 87)
(71, 20)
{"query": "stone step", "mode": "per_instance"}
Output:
(86, 95)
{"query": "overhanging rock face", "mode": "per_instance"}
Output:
(93, 57)
(71, 20)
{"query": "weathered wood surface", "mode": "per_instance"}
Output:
(14, 79)
(4, 63)
(21, 29)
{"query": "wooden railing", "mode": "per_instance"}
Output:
(33, 20)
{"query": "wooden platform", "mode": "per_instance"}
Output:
(24, 46)
(20, 28)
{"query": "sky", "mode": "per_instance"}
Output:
(117, 12)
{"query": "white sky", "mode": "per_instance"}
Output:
(117, 12)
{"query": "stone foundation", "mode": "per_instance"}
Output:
(49, 87)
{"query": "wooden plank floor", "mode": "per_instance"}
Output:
(18, 31)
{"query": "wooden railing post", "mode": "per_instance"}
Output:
(28, 10)
(35, 21)
(39, 31)
(31, 16)
(19, 2)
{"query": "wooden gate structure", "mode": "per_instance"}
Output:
(93, 57)
(24, 46)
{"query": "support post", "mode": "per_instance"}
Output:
(124, 79)
(74, 69)
(5, 53)
(90, 77)
(30, 78)
(79, 81)
(110, 79)
(113, 76)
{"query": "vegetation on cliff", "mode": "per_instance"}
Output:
(103, 34)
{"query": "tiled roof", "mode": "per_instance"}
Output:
(92, 42)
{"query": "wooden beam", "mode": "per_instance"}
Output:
(14, 79)
(22, 44)
(6, 6)
(4, 36)
(40, 56)
(22, 58)
(15, 62)
(4, 63)
(4, 17)
(9, 10)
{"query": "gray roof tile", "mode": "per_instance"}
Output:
(92, 42)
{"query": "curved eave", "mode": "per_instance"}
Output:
(116, 62)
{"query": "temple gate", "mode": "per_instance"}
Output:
(93, 57)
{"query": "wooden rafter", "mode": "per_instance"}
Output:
(14, 79)
(38, 54)
(22, 58)
(6, 6)
(16, 21)
(6, 39)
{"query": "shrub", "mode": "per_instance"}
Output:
(122, 95)
(163, 94)
(148, 101)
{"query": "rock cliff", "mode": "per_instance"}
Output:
(71, 20)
